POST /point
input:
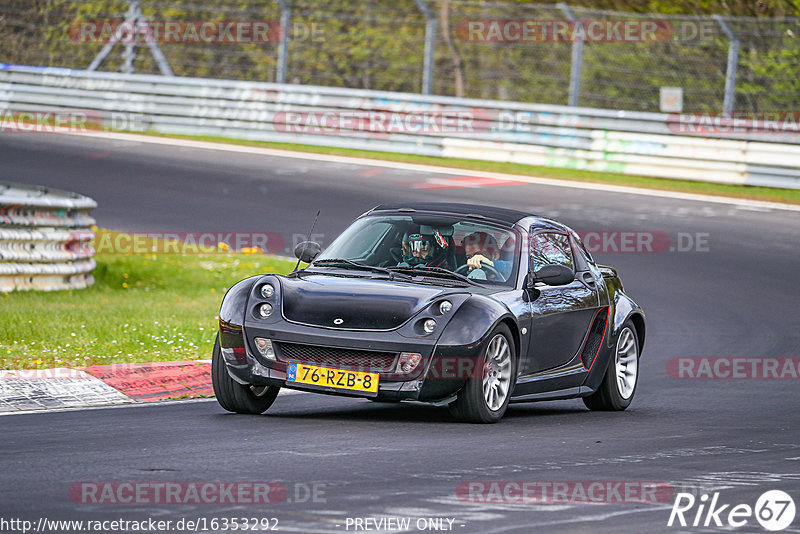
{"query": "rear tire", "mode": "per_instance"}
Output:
(234, 396)
(476, 403)
(619, 383)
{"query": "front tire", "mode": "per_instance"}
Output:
(234, 396)
(485, 396)
(619, 383)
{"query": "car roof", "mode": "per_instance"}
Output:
(489, 212)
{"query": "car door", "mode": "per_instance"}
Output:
(561, 315)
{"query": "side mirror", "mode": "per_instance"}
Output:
(307, 251)
(554, 275)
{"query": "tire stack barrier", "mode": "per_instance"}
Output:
(45, 239)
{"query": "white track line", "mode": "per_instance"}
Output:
(206, 145)
(131, 404)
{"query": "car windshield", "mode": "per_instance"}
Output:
(437, 246)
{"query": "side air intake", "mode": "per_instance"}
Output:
(595, 339)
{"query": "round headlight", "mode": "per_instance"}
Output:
(267, 291)
(265, 310)
(445, 306)
(429, 326)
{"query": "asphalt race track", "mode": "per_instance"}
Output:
(734, 295)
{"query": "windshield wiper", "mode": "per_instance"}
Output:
(436, 270)
(351, 263)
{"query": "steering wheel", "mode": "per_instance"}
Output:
(486, 267)
(397, 254)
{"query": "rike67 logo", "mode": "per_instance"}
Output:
(774, 510)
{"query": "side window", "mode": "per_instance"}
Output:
(589, 260)
(547, 248)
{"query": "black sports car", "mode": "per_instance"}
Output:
(469, 306)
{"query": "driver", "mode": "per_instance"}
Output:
(425, 250)
(481, 248)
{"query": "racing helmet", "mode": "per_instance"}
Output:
(424, 248)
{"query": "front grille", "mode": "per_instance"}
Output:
(362, 360)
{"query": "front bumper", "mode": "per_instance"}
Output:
(441, 373)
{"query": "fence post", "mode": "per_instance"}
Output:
(430, 46)
(733, 64)
(283, 45)
(129, 55)
(576, 64)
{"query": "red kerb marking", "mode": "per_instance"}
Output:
(156, 381)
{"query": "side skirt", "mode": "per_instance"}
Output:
(569, 393)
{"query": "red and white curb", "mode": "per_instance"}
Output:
(103, 385)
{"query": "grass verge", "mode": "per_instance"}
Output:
(789, 196)
(141, 308)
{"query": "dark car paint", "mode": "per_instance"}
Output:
(562, 315)
(318, 300)
(550, 325)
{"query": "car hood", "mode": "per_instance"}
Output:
(353, 303)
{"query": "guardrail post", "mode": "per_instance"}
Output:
(576, 63)
(135, 19)
(733, 64)
(129, 55)
(283, 44)
(430, 46)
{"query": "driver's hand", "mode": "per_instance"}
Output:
(475, 261)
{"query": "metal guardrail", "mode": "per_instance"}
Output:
(45, 239)
(634, 143)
